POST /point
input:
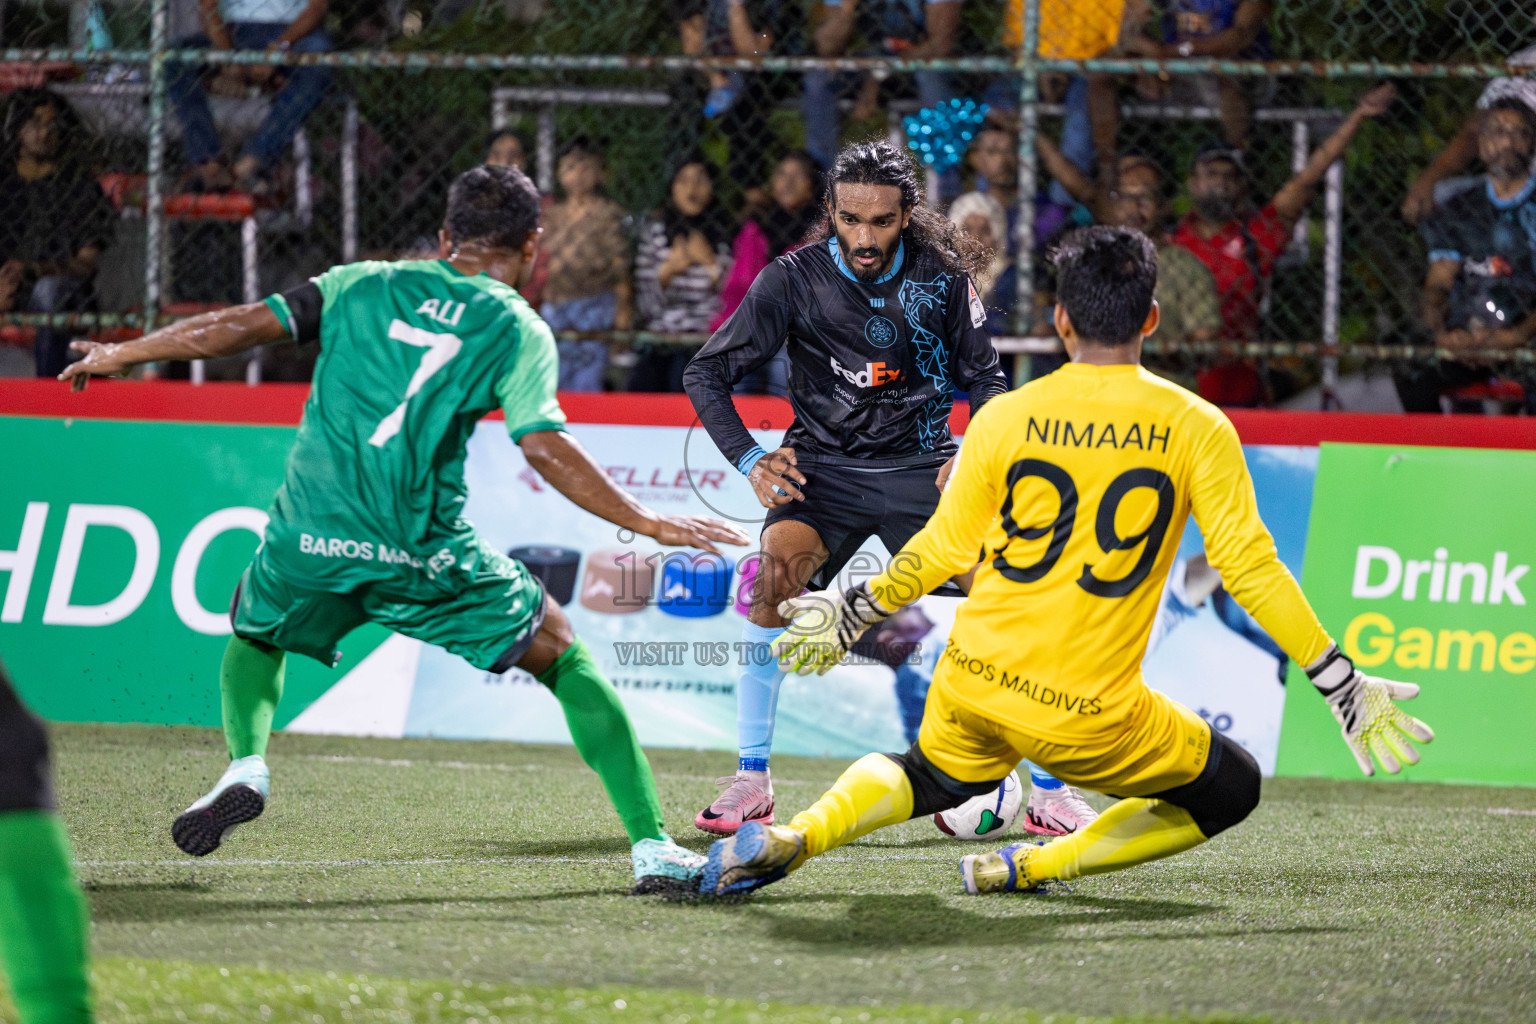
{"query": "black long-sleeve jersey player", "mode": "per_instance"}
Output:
(873, 366)
(873, 371)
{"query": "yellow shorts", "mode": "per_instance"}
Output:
(1163, 744)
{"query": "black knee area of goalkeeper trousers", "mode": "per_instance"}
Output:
(24, 777)
(933, 790)
(1226, 791)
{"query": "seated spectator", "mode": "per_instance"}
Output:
(742, 102)
(1439, 181)
(277, 26)
(1230, 29)
(982, 217)
(994, 157)
(506, 148)
(1186, 290)
(54, 220)
(1240, 243)
(782, 225)
(587, 287)
(681, 259)
(1480, 291)
(910, 29)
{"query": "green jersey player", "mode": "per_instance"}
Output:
(368, 525)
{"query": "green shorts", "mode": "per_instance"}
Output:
(490, 623)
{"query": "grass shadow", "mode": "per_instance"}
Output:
(144, 904)
(880, 921)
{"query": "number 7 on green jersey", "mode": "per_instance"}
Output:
(440, 348)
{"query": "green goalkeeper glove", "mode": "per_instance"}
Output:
(1363, 705)
(823, 625)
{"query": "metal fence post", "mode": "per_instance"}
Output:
(1333, 261)
(154, 221)
(349, 183)
(1024, 228)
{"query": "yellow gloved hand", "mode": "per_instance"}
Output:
(1365, 707)
(823, 625)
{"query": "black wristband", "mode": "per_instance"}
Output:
(1331, 671)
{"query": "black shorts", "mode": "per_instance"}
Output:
(848, 506)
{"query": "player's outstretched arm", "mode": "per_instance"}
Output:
(1241, 550)
(561, 460)
(224, 332)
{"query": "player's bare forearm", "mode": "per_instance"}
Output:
(224, 332)
(560, 459)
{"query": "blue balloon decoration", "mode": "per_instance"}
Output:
(940, 134)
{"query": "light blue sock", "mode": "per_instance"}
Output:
(1044, 780)
(756, 695)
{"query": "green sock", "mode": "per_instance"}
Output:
(251, 684)
(42, 921)
(605, 739)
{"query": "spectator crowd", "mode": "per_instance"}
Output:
(740, 192)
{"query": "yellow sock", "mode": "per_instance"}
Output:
(872, 793)
(1131, 832)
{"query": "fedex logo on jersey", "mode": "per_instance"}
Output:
(873, 375)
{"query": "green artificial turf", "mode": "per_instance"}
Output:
(419, 869)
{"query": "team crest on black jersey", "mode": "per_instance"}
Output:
(880, 332)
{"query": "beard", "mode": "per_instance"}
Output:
(1217, 209)
(1509, 163)
(881, 258)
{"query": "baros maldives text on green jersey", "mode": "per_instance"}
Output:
(412, 355)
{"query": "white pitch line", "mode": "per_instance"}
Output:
(400, 762)
(361, 862)
(365, 862)
(1512, 811)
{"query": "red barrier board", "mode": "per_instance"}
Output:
(283, 404)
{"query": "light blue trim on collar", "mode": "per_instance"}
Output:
(1513, 201)
(837, 256)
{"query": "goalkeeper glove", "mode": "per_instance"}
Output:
(823, 625)
(1363, 705)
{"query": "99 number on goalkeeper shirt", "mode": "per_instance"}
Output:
(1060, 529)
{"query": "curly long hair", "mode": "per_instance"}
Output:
(877, 162)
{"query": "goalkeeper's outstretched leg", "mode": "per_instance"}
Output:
(43, 944)
(1133, 831)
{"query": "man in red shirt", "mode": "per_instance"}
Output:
(1240, 243)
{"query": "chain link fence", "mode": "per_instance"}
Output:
(167, 157)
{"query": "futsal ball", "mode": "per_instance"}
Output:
(982, 817)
